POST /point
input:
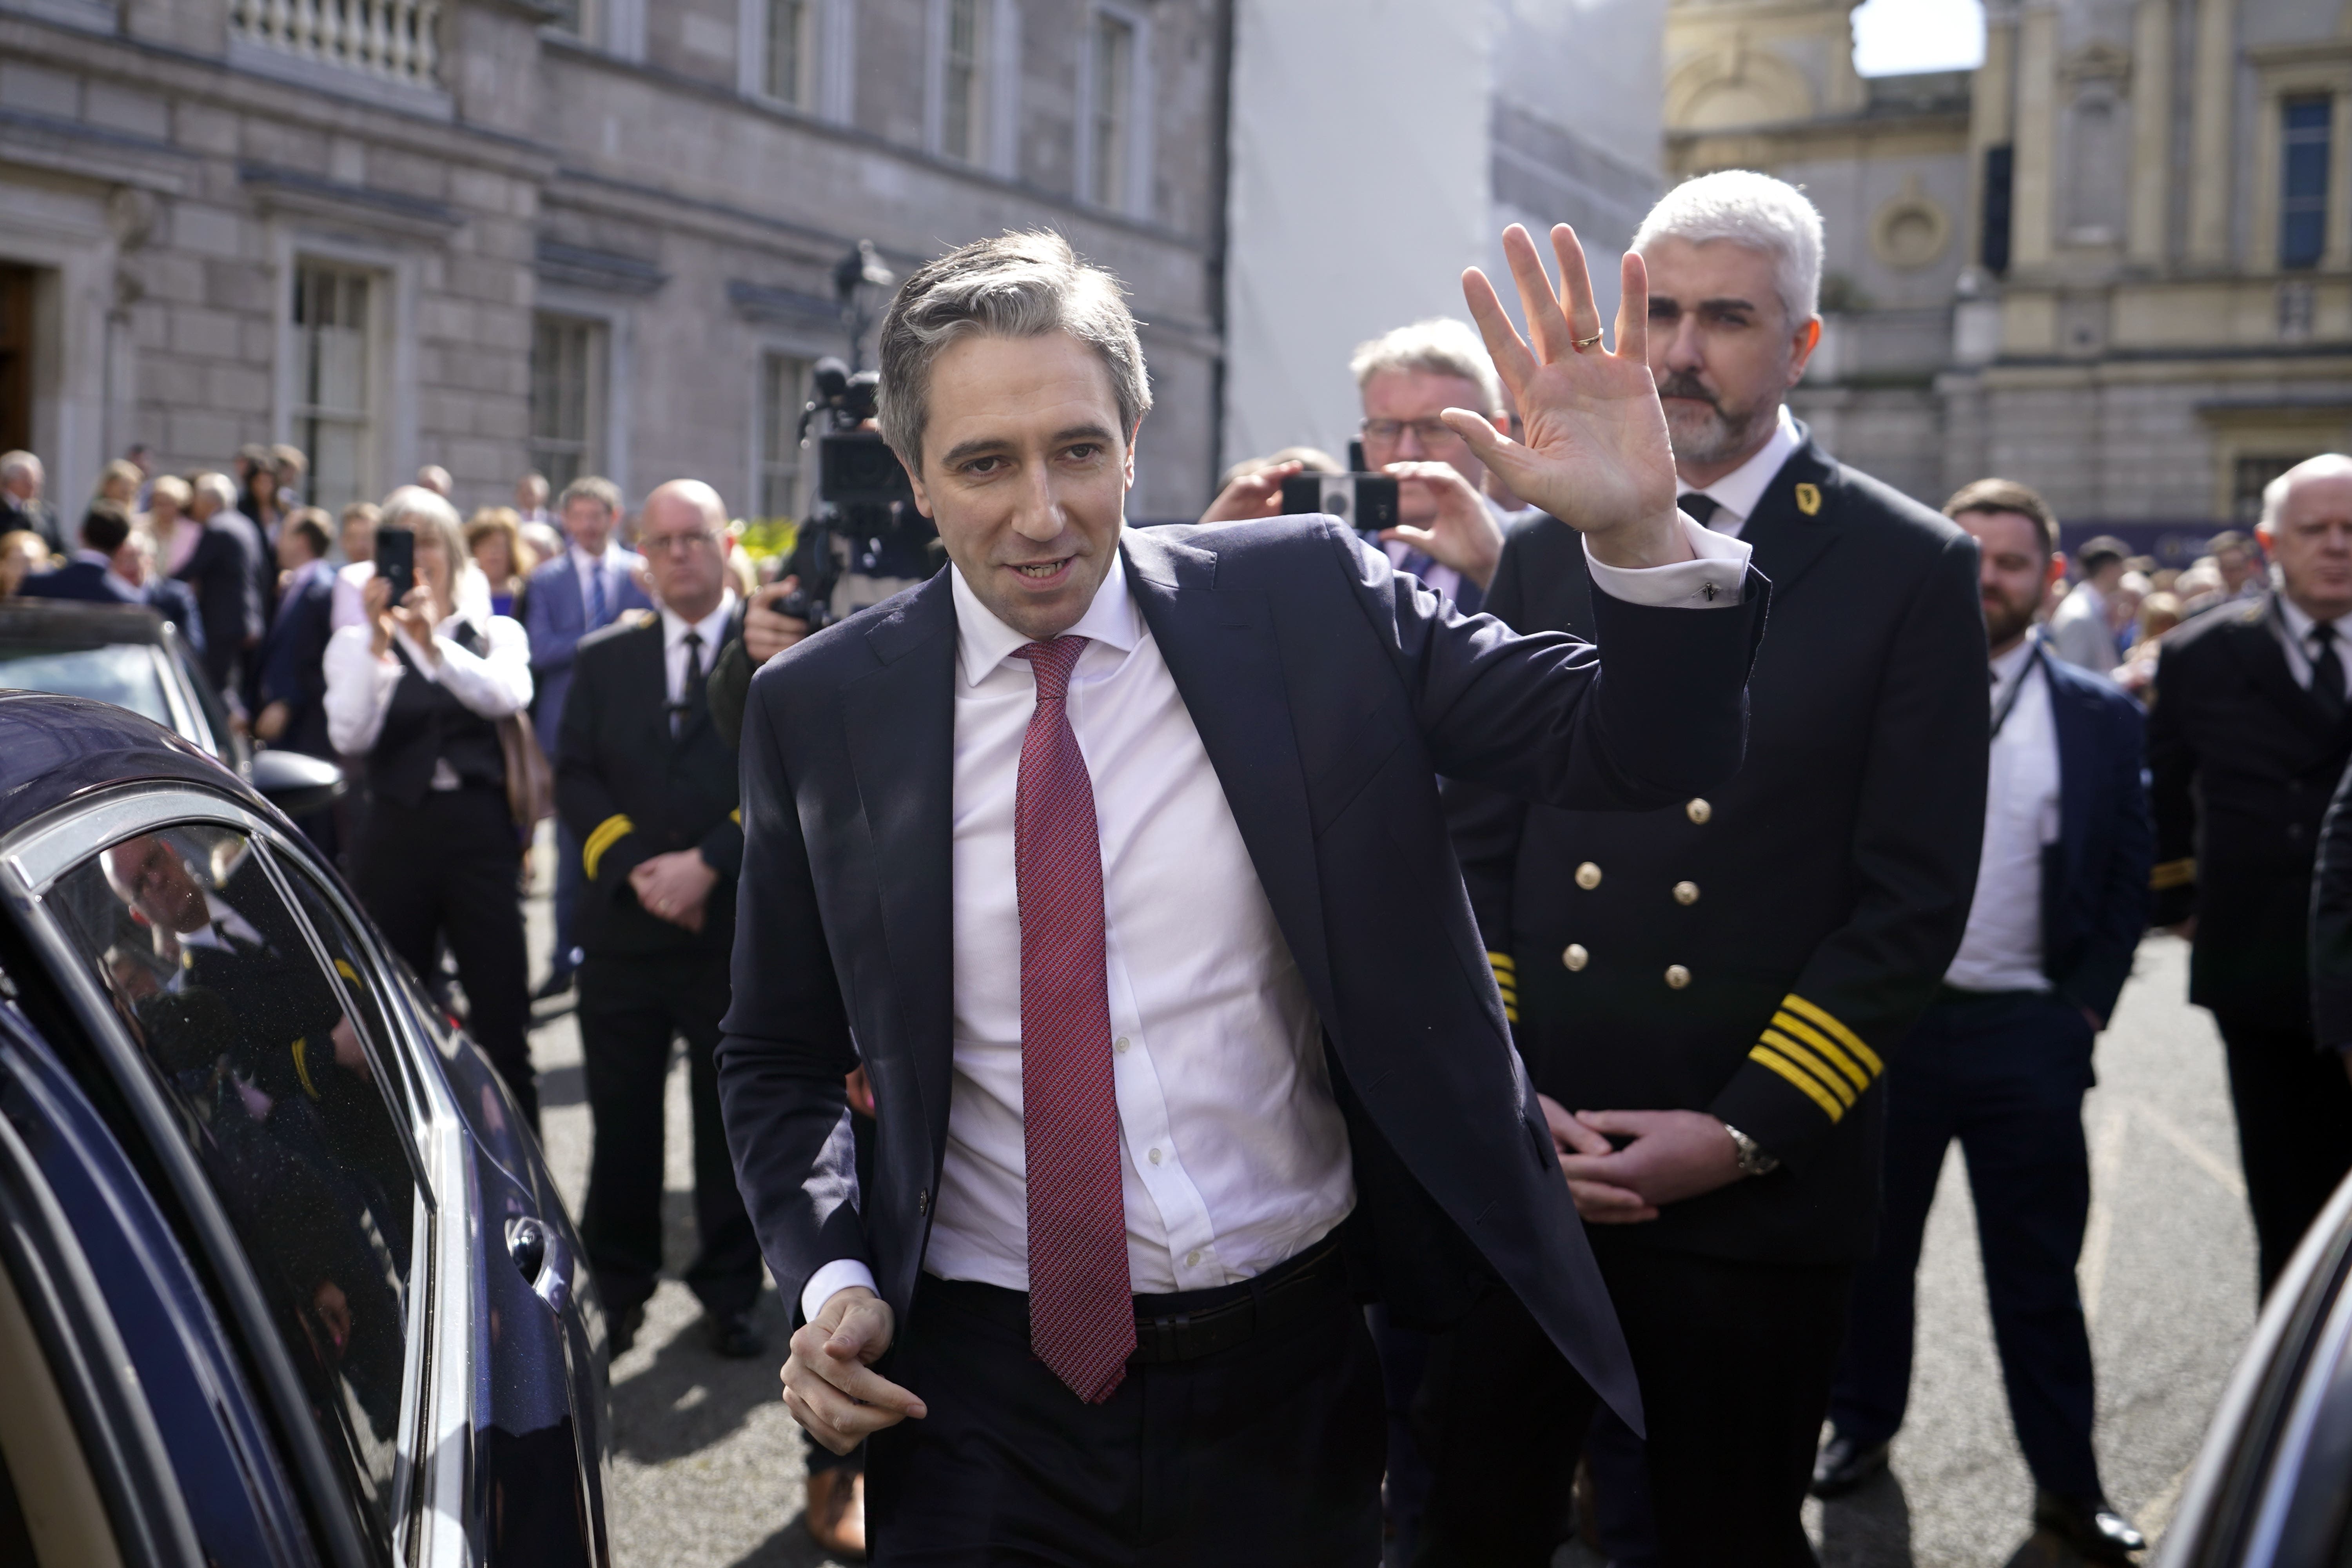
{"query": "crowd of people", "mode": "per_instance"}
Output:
(1750, 1018)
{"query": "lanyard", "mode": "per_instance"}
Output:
(2008, 703)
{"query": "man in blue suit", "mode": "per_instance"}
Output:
(2001, 1060)
(1114, 857)
(585, 589)
(112, 568)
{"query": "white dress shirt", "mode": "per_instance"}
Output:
(2001, 948)
(1738, 494)
(712, 628)
(2296, 640)
(494, 683)
(1235, 1156)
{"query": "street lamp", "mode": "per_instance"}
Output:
(858, 280)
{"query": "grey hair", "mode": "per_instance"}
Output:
(1438, 346)
(1014, 285)
(431, 518)
(15, 463)
(1754, 210)
(216, 487)
(2274, 493)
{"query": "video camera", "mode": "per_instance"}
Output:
(863, 521)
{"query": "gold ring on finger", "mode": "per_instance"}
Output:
(1582, 344)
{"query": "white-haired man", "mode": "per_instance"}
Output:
(222, 568)
(1711, 992)
(22, 479)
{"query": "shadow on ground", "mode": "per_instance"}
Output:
(687, 1398)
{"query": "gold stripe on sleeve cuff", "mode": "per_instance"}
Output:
(1829, 1024)
(1767, 1056)
(609, 832)
(1797, 1028)
(2172, 874)
(1811, 1063)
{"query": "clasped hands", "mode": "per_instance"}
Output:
(674, 887)
(1673, 1155)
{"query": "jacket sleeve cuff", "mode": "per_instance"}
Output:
(841, 1274)
(1801, 1076)
(1714, 581)
(603, 849)
(722, 847)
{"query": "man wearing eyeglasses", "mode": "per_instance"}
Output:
(1448, 533)
(648, 787)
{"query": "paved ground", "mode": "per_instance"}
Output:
(706, 1472)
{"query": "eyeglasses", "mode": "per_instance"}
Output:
(676, 544)
(1434, 433)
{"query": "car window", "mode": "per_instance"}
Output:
(124, 674)
(349, 958)
(251, 1039)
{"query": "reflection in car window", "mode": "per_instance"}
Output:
(124, 674)
(215, 979)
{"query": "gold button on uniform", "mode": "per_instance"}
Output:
(1698, 811)
(1587, 876)
(1678, 976)
(1685, 892)
(1575, 957)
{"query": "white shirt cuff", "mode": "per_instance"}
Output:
(1713, 582)
(833, 1277)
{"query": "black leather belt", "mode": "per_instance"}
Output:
(1192, 1324)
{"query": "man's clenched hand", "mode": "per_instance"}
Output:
(829, 1384)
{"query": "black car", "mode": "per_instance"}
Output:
(283, 1277)
(132, 657)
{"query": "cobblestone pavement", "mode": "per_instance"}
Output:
(707, 1467)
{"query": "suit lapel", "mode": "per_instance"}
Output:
(898, 722)
(1787, 539)
(1221, 648)
(2074, 714)
(2257, 645)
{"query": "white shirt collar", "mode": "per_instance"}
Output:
(2299, 625)
(712, 627)
(1740, 491)
(614, 556)
(983, 642)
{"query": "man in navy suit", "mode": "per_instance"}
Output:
(2001, 1059)
(221, 572)
(584, 590)
(1116, 859)
(115, 566)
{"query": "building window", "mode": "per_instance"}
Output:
(2303, 132)
(567, 397)
(788, 57)
(334, 418)
(2252, 475)
(784, 392)
(1112, 130)
(959, 82)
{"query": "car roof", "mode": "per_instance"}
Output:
(76, 623)
(53, 749)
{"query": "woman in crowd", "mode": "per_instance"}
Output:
(260, 499)
(118, 482)
(494, 539)
(22, 553)
(419, 688)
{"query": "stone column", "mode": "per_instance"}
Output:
(2151, 163)
(2209, 116)
(2035, 194)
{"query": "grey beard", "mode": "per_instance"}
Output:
(1708, 437)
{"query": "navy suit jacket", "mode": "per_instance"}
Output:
(82, 581)
(1330, 692)
(294, 662)
(2094, 894)
(556, 617)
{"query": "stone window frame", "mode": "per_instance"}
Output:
(829, 66)
(393, 338)
(992, 138)
(752, 54)
(610, 443)
(768, 422)
(1133, 197)
(2302, 70)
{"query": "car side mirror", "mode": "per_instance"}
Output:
(295, 783)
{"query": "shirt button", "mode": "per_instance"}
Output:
(1155, 1156)
(1192, 1258)
(1678, 976)
(1575, 957)
(1685, 892)
(1698, 811)
(1587, 876)
(1120, 1045)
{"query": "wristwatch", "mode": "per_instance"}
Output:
(1753, 1161)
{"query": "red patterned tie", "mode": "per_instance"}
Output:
(1081, 1310)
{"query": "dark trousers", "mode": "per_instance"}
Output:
(2294, 1130)
(444, 870)
(631, 1009)
(1267, 1452)
(570, 876)
(2005, 1076)
(1733, 1360)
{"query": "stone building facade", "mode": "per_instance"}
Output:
(571, 234)
(2115, 261)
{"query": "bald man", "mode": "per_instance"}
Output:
(2247, 737)
(647, 787)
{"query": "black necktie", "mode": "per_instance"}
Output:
(1701, 506)
(2326, 668)
(696, 698)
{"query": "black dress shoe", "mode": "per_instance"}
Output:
(733, 1336)
(1844, 1463)
(624, 1332)
(2089, 1526)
